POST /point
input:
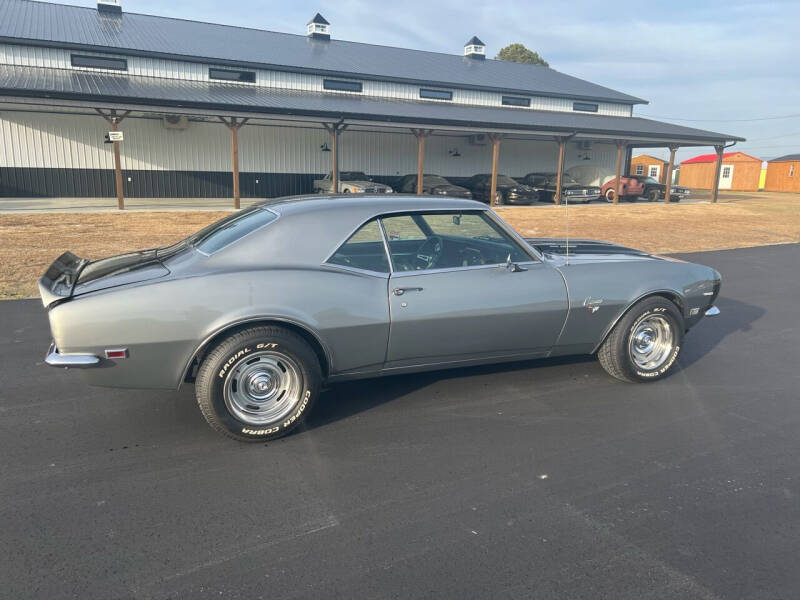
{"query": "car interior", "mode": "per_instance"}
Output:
(429, 241)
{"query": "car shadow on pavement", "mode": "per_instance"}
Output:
(734, 316)
(346, 399)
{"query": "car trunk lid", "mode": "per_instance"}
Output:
(69, 275)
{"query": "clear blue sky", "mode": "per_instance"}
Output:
(717, 63)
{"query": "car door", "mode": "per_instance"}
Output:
(469, 305)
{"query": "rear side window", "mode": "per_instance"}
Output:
(363, 250)
(223, 233)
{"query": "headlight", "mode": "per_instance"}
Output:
(441, 192)
(355, 189)
(389, 190)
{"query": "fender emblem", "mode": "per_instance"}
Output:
(592, 304)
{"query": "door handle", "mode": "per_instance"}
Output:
(401, 291)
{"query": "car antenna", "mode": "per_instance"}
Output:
(566, 222)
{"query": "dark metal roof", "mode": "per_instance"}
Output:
(474, 41)
(318, 18)
(787, 158)
(116, 90)
(43, 23)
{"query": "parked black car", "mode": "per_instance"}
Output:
(432, 184)
(572, 190)
(509, 191)
(654, 190)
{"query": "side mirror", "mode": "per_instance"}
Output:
(513, 267)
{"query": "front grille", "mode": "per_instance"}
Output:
(375, 190)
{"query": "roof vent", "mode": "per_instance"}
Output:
(475, 48)
(318, 28)
(113, 7)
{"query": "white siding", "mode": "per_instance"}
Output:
(172, 69)
(76, 141)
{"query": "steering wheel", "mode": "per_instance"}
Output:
(428, 253)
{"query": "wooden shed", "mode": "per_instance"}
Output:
(783, 174)
(644, 164)
(739, 172)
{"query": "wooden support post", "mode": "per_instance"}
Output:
(670, 165)
(495, 138)
(618, 181)
(717, 172)
(562, 143)
(114, 120)
(421, 135)
(234, 125)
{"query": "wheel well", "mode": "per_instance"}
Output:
(667, 295)
(309, 337)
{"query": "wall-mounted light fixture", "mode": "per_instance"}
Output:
(454, 152)
(324, 147)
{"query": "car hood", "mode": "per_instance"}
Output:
(365, 183)
(449, 188)
(519, 188)
(588, 251)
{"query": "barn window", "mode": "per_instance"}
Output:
(791, 170)
(342, 86)
(585, 106)
(435, 94)
(516, 101)
(640, 169)
(653, 171)
(726, 172)
(99, 62)
(231, 75)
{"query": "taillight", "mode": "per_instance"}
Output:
(117, 353)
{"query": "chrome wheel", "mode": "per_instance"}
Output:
(263, 387)
(651, 343)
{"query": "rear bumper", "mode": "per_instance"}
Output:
(55, 359)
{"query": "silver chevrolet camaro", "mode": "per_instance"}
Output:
(263, 307)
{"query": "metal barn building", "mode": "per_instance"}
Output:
(210, 110)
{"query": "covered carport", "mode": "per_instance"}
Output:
(118, 99)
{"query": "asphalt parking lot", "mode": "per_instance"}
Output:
(543, 479)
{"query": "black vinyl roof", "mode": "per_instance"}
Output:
(117, 90)
(43, 23)
(787, 158)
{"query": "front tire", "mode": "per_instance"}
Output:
(258, 384)
(653, 196)
(645, 343)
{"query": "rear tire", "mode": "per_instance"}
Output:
(258, 384)
(645, 343)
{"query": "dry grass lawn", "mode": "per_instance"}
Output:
(28, 243)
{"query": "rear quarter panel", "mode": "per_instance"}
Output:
(162, 323)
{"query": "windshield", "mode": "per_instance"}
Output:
(353, 176)
(505, 180)
(650, 180)
(568, 180)
(435, 180)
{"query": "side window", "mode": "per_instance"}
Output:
(363, 250)
(402, 227)
(447, 240)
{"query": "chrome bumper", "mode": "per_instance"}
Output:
(712, 312)
(54, 359)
